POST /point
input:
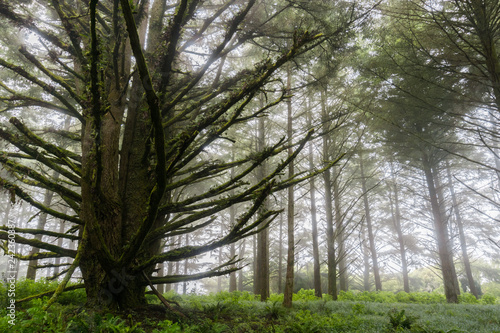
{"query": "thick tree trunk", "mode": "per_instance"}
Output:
(290, 262)
(461, 232)
(368, 218)
(451, 288)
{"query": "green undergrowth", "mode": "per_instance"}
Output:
(243, 312)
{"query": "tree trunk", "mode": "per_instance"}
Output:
(280, 257)
(262, 267)
(314, 225)
(460, 226)
(314, 222)
(330, 236)
(42, 220)
(339, 232)
(451, 288)
(368, 218)
(57, 261)
(365, 250)
(240, 272)
(396, 218)
(290, 262)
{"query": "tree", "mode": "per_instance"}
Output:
(290, 261)
(369, 224)
(141, 84)
(417, 101)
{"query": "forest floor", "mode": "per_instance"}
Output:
(242, 312)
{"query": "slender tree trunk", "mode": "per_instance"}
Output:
(365, 250)
(57, 260)
(170, 265)
(396, 218)
(184, 284)
(368, 218)
(330, 236)
(451, 288)
(290, 262)
(339, 231)
(280, 257)
(240, 272)
(232, 276)
(262, 268)
(42, 220)
(460, 226)
(314, 222)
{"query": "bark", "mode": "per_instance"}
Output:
(290, 262)
(451, 287)
(461, 232)
(369, 226)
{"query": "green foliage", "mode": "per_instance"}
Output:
(398, 320)
(467, 298)
(488, 299)
(305, 295)
(243, 312)
(108, 323)
(388, 297)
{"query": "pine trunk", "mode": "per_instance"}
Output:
(451, 288)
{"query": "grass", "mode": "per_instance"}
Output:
(242, 312)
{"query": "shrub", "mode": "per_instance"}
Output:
(488, 299)
(467, 298)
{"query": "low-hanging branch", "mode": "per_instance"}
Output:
(50, 292)
(42, 232)
(41, 245)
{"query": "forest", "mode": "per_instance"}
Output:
(294, 161)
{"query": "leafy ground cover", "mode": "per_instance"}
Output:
(241, 312)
